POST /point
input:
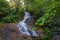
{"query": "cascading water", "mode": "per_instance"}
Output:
(23, 27)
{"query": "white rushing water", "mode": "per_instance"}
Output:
(23, 27)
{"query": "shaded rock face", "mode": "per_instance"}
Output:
(11, 32)
(56, 35)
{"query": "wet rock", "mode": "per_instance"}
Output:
(56, 36)
(10, 32)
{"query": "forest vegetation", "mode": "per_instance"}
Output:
(46, 13)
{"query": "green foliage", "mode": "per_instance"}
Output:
(36, 28)
(4, 7)
(10, 14)
(50, 12)
(35, 7)
(47, 32)
(44, 12)
(10, 18)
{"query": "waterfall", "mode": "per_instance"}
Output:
(23, 27)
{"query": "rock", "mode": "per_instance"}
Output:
(56, 36)
(10, 31)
